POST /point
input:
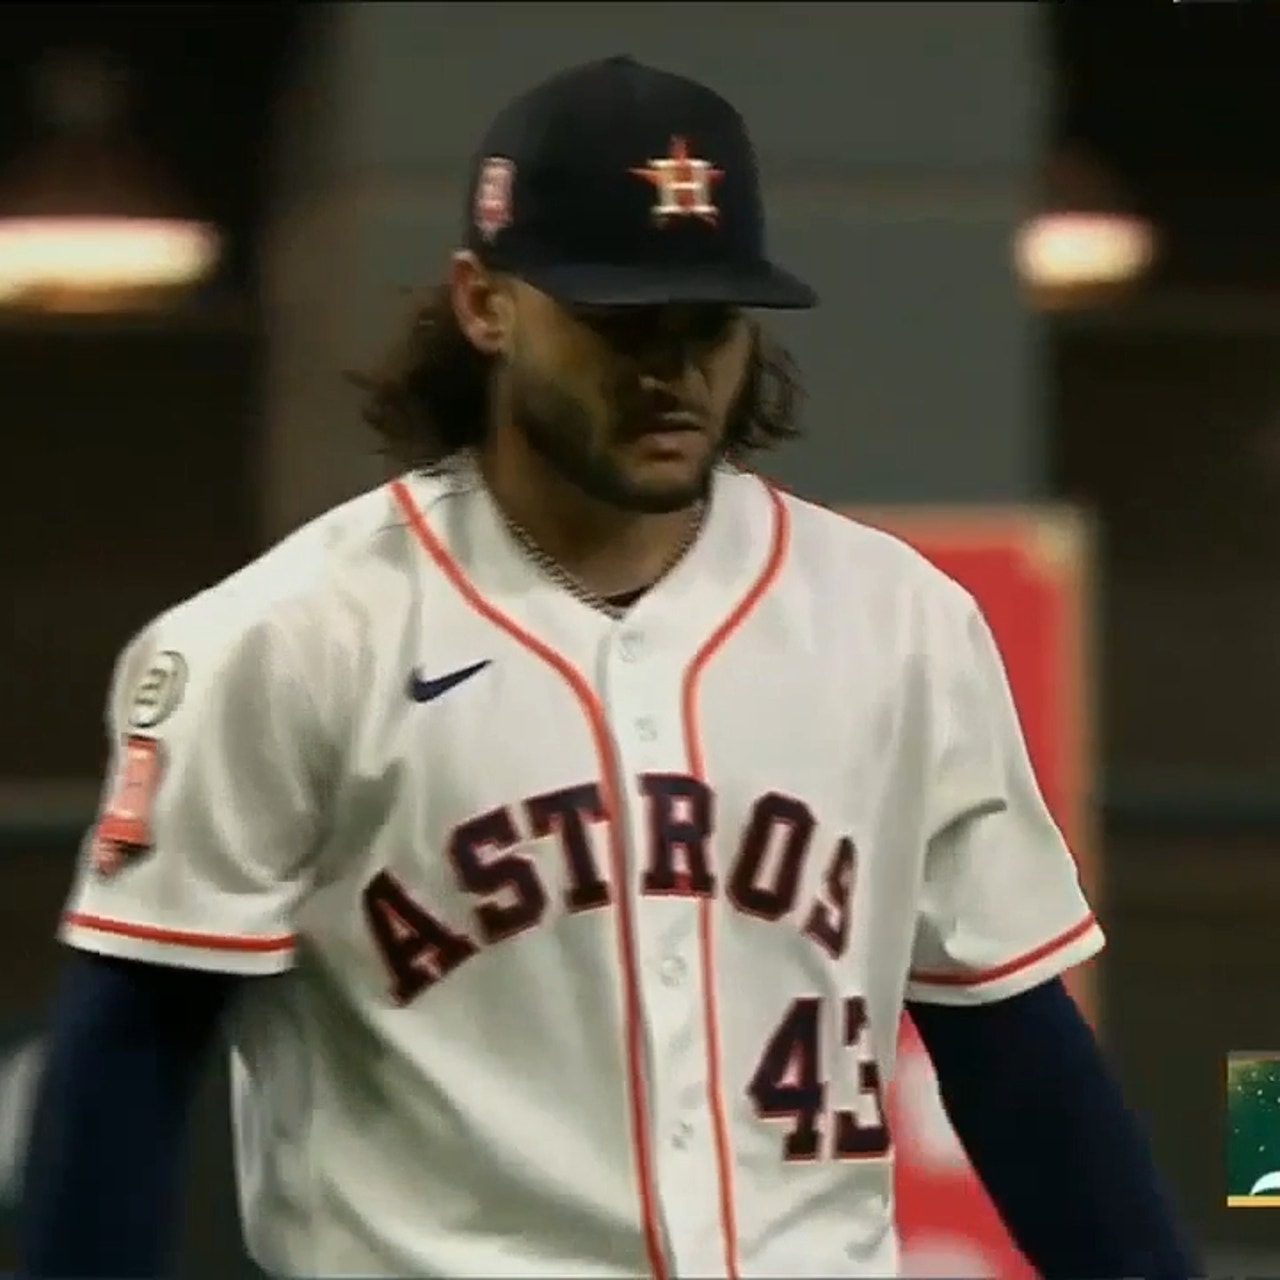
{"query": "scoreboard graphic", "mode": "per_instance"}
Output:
(1253, 1130)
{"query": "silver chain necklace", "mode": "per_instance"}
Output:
(553, 570)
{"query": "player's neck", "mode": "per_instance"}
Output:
(609, 551)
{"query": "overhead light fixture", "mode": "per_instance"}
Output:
(87, 220)
(1083, 244)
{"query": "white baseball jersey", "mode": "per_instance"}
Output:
(582, 943)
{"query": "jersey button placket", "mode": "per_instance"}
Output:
(644, 693)
(630, 645)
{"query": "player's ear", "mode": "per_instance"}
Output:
(483, 303)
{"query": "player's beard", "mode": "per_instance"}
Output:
(568, 438)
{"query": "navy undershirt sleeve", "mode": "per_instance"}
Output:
(126, 1046)
(1049, 1134)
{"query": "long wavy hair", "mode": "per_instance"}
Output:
(429, 397)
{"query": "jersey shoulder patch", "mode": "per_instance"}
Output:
(124, 830)
(281, 597)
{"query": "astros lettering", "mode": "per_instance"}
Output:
(489, 856)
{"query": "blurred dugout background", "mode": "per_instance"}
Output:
(146, 449)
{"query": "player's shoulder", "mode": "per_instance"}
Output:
(305, 566)
(851, 557)
(301, 593)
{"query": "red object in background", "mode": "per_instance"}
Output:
(1029, 571)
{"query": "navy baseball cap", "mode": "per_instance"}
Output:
(615, 184)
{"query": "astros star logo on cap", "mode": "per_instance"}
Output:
(684, 184)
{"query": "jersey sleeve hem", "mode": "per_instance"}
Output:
(1052, 958)
(181, 948)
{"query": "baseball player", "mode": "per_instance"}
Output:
(557, 832)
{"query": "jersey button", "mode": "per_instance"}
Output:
(682, 1136)
(646, 729)
(629, 646)
(672, 971)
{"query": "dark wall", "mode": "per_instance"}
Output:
(1169, 428)
(124, 486)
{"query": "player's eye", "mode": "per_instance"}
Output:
(631, 327)
(711, 324)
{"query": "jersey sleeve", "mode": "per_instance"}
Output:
(1001, 907)
(200, 853)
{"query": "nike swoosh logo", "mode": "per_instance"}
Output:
(421, 690)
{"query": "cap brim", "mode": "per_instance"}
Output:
(603, 285)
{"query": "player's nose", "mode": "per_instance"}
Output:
(669, 393)
(666, 367)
